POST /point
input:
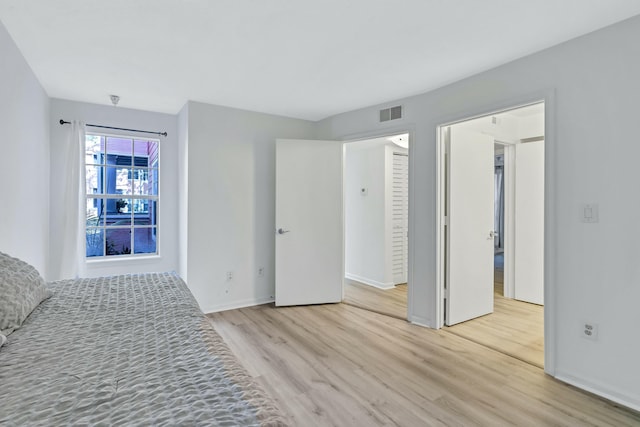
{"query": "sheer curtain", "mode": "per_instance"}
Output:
(73, 255)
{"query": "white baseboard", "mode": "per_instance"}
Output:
(238, 304)
(600, 390)
(370, 282)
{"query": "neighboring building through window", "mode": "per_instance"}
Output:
(122, 195)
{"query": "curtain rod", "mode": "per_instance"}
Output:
(63, 122)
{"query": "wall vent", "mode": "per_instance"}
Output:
(392, 113)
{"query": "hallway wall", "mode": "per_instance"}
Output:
(591, 269)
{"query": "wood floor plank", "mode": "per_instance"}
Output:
(515, 328)
(340, 365)
(392, 302)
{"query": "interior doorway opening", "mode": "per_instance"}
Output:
(491, 208)
(376, 203)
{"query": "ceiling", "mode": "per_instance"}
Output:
(509, 126)
(297, 58)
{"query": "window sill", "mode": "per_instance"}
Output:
(144, 259)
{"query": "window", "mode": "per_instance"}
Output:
(122, 196)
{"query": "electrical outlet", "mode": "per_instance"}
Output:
(260, 271)
(229, 275)
(590, 331)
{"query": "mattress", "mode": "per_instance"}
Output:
(125, 350)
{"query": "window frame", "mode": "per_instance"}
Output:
(86, 196)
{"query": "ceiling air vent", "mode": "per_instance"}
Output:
(392, 113)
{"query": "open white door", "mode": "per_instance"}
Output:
(469, 270)
(529, 222)
(309, 222)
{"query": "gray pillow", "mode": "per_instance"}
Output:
(21, 290)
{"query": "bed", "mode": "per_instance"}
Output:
(124, 350)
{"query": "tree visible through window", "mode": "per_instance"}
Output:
(122, 195)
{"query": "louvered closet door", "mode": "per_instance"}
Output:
(400, 218)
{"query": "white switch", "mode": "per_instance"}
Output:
(590, 212)
(364, 191)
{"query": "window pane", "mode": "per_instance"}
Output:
(147, 149)
(95, 212)
(145, 212)
(118, 241)
(95, 242)
(145, 182)
(118, 180)
(141, 182)
(145, 240)
(94, 153)
(118, 212)
(119, 151)
(153, 180)
(95, 180)
(140, 207)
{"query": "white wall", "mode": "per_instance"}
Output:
(24, 159)
(505, 130)
(183, 191)
(231, 196)
(531, 126)
(365, 226)
(168, 212)
(510, 128)
(592, 89)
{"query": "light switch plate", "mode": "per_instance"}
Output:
(589, 212)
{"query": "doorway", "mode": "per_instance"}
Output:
(492, 208)
(376, 197)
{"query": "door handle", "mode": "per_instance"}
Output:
(492, 235)
(281, 231)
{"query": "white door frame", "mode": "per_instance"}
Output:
(392, 131)
(548, 97)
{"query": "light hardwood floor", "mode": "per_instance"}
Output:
(515, 328)
(392, 302)
(344, 366)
